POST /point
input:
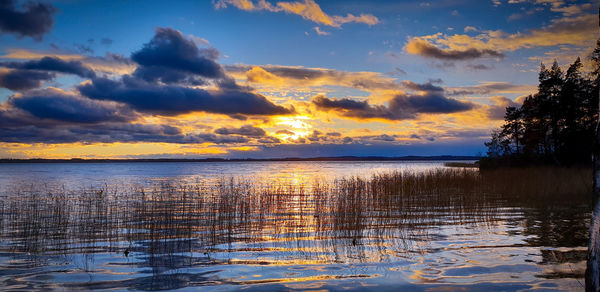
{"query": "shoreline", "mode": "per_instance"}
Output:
(290, 159)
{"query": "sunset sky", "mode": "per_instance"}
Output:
(267, 78)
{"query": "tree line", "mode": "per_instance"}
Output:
(556, 125)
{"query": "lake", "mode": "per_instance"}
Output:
(271, 226)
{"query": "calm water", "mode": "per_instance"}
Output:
(290, 225)
(74, 175)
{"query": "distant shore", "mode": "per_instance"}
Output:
(337, 158)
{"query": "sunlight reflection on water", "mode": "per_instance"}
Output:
(73, 175)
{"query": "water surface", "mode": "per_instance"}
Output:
(290, 225)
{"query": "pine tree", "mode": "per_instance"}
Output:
(556, 124)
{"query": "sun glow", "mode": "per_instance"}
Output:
(297, 127)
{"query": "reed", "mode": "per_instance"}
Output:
(344, 219)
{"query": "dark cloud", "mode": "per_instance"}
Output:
(50, 117)
(475, 67)
(155, 73)
(167, 65)
(84, 49)
(400, 107)
(429, 103)
(21, 80)
(428, 50)
(169, 56)
(247, 130)
(110, 133)
(117, 58)
(53, 64)
(286, 132)
(106, 41)
(421, 87)
(397, 72)
(174, 100)
(356, 109)
(331, 137)
(384, 137)
(315, 136)
(33, 20)
(55, 105)
(490, 87)
(444, 65)
(269, 140)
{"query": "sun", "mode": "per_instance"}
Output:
(297, 127)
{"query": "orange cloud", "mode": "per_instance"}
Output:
(24, 54)
(110, 63)
(579, 30)
(307, 9)
(297, 76)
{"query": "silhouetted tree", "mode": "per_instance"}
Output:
(512, 129)
(555, 125)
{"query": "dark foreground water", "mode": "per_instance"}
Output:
(291, 226)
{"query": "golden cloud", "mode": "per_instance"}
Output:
(569, 30)
(307, 9)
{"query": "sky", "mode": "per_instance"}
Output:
(273, 79)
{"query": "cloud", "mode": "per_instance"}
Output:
(170, 58)
(106, 41)
(397, 72)
(247, 130)
(307, 9)
(167, 64)
(479, 67)
(330, 137)
(111, 133)
(418, 46)
(53, 64)
(33, 20)
(498, 107)
(431, 102)
(571, 9)
(515, 16)
(21, 80)
(84, 49)
(577, 30)
(469, 28)
(384, 137)
(112, 64)
(57, 105)
(53, 116)
(320, 32)
(421, 87)
(32, 74)
(285, 132)
(301, 76)
(174, 100)
(490, 87)
(400, 107)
